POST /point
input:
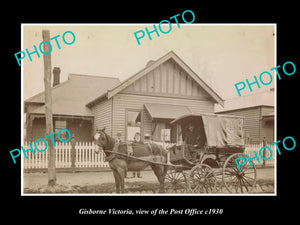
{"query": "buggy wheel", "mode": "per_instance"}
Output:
(201, 179)
(237, 181)
(175, 181)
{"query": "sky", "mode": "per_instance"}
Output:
(222, 55)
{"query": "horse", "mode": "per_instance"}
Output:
(148, 153)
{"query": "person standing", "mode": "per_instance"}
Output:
(192, 140)
(137, 139)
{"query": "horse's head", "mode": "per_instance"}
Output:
(100, 140)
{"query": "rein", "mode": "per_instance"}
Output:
(110, 146)
(145, 159)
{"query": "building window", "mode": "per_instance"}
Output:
(162, 131)
(165, 135)
(133, 125)
(59, 124)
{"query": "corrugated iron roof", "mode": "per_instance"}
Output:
(265, 98)
(71, 96)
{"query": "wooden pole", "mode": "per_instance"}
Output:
(48, 108)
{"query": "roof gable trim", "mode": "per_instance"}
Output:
(155, 64)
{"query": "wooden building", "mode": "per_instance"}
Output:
(146, 102)
(258, 112)
(69, 110)
(143, 104)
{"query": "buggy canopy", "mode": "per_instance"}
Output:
(220, 130)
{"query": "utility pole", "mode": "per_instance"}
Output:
(48, 107)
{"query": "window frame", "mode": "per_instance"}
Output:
(141, 126)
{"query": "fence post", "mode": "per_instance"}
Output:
(264, 152)
(73, 153)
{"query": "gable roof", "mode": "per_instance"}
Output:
(149, 67)
(71, 96)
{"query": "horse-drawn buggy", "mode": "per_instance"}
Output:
(202, 162)
(205, 161)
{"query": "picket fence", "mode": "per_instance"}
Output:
(85, 156)
(250, 148)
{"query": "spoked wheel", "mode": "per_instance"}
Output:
(238, 181)
(219, 179)
(175, 181)
(201, 179)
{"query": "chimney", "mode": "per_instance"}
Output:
(56, 76)
(150, 62)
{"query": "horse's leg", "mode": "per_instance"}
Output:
(122, 177)
(117, 181)
(113, 164)
(119, 168)
(160, 173)
(121, 174)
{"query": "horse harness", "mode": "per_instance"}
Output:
(129, 148)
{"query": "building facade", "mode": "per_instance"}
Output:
(143, 104)
(258, 122)
(68, 106)
(146, 102)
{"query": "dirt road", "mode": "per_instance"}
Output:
(103, 182)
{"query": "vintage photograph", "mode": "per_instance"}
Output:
(189, 112)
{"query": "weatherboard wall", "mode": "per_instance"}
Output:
(102, 115)
(123, 102)
(168, 79)
(255, 129)
(167, 83)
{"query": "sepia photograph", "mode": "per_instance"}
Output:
(108, 111)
